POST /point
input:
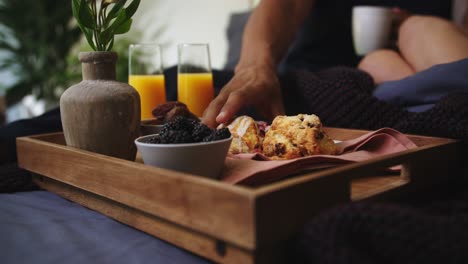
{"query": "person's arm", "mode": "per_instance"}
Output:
(267, 36)
(460, 14)
(465, 22)
(270, 30)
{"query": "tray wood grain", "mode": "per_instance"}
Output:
(222, 222)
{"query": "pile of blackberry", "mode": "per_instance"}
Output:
(187, 130)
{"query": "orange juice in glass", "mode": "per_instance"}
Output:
(194, 78)
(146, 76)
(195, 90)
(152, 92)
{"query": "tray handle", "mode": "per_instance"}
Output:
(421, 169)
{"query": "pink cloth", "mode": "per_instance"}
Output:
(257, 169)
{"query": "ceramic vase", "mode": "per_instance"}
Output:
(100, 114)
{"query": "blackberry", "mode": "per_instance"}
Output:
(200, 131)
(186, 130)
(208, 138)
(153, 140)
(183, 130)
(219, 134)
(222, 133)
(181, 123)
(175, 136)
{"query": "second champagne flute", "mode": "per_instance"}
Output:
(146, 76)
(194, 79)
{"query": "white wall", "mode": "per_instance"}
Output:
(170, 22)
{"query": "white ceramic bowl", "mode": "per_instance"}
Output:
(203, 159)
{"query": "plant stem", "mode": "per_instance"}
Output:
(103, 19)
(99, 26)
(94, 10)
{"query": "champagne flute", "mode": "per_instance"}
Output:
(146, 76)
(194, 77)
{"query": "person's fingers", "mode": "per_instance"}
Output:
(277, 105)
(213, 109)
(234, 103)
(270, 108)
(277, 109)
(246, 88)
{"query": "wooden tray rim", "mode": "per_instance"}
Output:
(257, 199)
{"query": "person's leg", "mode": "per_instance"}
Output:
(385, 65)
(425, 41)
(425, 88)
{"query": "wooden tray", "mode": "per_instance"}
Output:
(222, 222)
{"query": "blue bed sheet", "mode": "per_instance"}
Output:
(41, 227)
(421, 91)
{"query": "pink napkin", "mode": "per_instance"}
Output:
(257, 169)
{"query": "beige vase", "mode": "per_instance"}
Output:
(100, 114)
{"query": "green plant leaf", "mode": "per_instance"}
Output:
(89, 37)
(100, 32)
(106, 35)
(132, 8)
(86, 15)
(121, 17)
(111, 44)
(124, 28)
(109, 32)
(105, 3)
(82, 12)
(114, 11)
(76, 11)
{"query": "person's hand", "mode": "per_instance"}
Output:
(251, 86)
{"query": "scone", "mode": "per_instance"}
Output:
(298, 136)
(247, 137)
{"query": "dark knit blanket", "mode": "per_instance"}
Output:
(365, 233)
(434, 230)
(342, 97)
(13, 179)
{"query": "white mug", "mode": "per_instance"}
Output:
(371, 28)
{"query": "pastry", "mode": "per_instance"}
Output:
(298, 136)
(246, 135)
